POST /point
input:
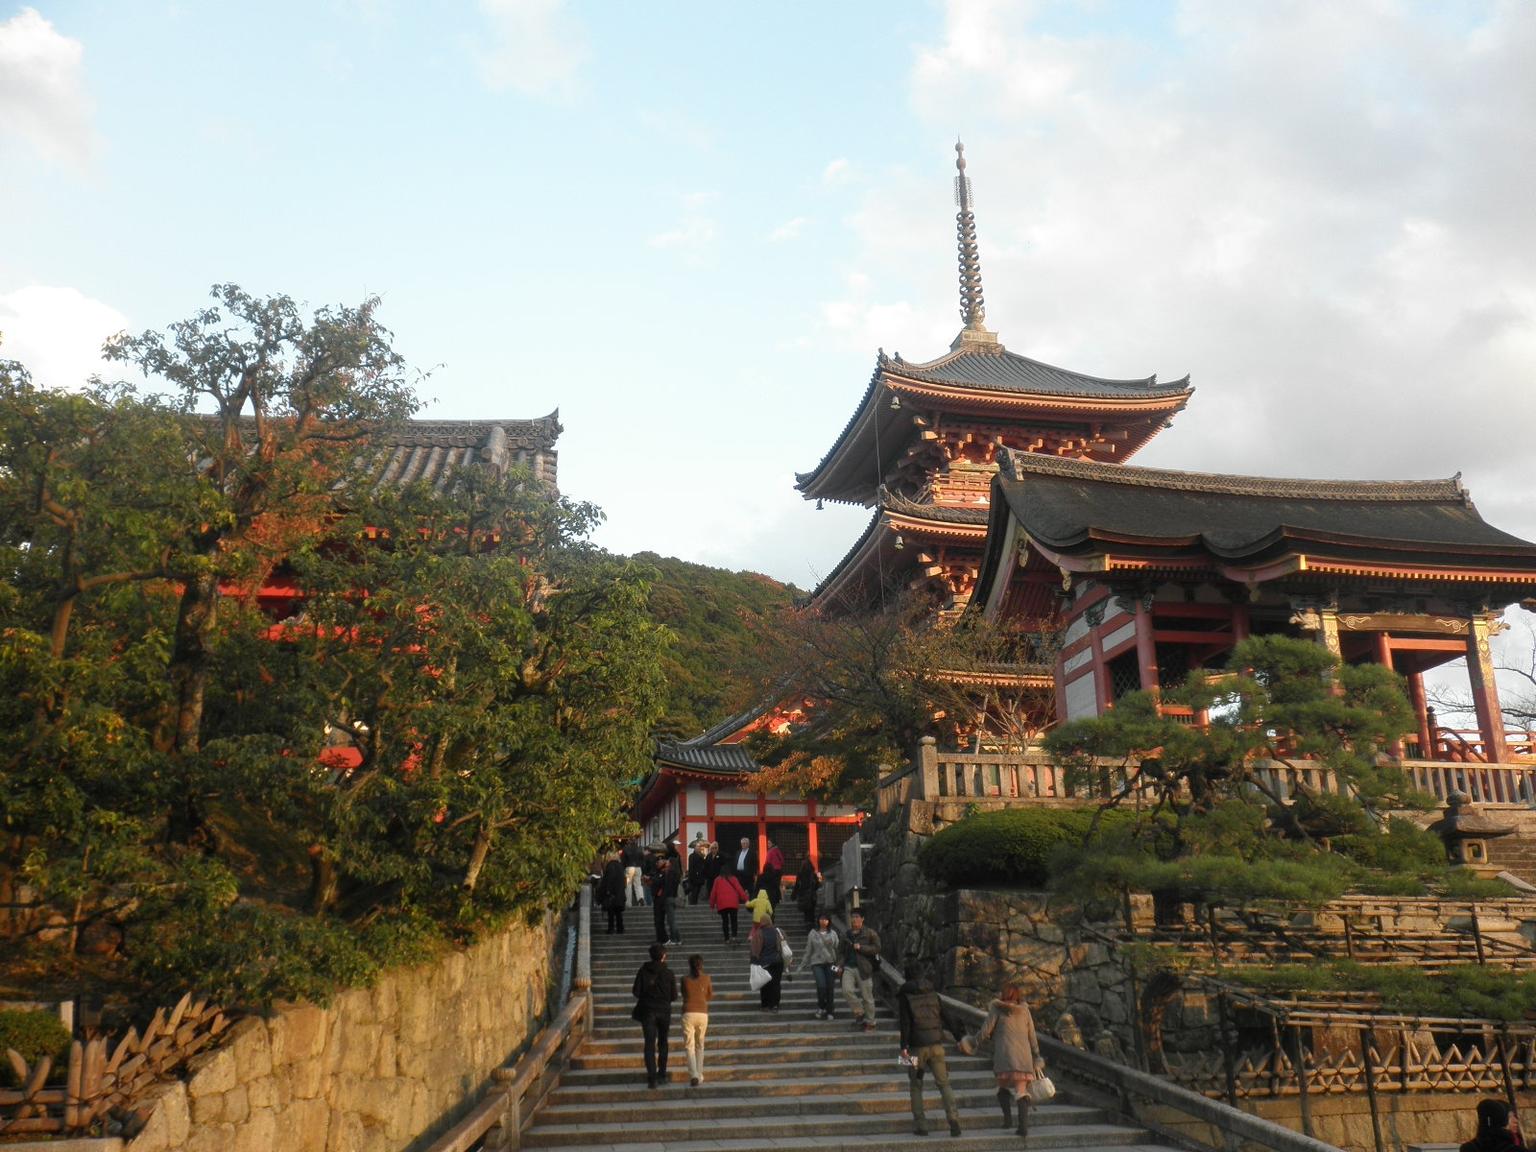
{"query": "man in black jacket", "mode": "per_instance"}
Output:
(922, 1046)
(654, 991)
(664, 888)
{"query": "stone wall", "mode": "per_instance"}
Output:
(380, 1070)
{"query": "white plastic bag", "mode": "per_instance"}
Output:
(1041, 1089)
(757, 977)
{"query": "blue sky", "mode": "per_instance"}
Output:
(689, 225)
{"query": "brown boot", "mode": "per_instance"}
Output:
(1024, 1105)
(1005, 1101)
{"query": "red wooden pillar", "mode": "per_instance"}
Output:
(1420, 704)
(762, 830)
(1146, 647)
(1485, 692)
(1241, 627)
(1103, 689)
(812, 840)
(1382, 643)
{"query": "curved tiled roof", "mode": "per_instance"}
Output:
(433, 451)
(996, 368)
(968, 514)
(725, 759)
(978, 369)
(1075, 506)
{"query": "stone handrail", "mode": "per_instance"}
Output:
(517, 1090)
(1131, 1085)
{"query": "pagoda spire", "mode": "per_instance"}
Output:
(973, 306)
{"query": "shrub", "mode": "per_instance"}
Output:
(1011, 846)
(34, 1034)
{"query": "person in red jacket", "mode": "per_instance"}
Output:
(725, 897)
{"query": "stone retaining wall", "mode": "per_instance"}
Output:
(380, 1070)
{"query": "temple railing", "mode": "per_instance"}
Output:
(1484, 783)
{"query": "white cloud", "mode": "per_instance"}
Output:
(57, 333)
(789, 230)
(535, 47)
(1342, 255)
(42, 88)
(693, 234)
(837, 172)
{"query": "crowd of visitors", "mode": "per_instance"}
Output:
(850, 959)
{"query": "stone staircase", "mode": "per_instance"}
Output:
(772, 1080)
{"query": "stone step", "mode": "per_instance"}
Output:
(670, 1106)
(828, 1129)
(746, 1049)
(617, 1070)
(872, 1076)
(748, 1025)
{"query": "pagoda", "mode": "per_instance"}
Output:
(922, 447)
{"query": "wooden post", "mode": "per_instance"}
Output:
(1146, 646)
(1485, 692)
(1477, 937)
(1420, 704)
(1349, 938)
(1367, 1044)
(1138, 1037)
(582, 979)
(1509, 1080)
(1229, 1046)
(1299, 1063)
(928, 768)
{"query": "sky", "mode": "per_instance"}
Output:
(689, 226)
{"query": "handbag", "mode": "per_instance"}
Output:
(1041, 1089)
(785, 950)
(758, 976)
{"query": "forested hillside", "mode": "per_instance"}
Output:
(711, 670)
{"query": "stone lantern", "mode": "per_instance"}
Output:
(1466, 832)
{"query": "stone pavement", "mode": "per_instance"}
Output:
(772, 1080)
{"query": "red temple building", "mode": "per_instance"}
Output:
(922, 447)
(1150, 574)
(1000, 482)
(694, 791)
(433, 452)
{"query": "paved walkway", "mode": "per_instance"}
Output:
(784, 1080)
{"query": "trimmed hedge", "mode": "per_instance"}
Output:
(33, 1034)
(1011, 846)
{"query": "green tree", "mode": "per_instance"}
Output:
(871, 684)
(1212, 826)
(195, 795)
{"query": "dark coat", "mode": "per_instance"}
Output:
(698, 873)
(654, 990)
(920, 1015)
(610, 889)
(747, 874)
(861, 951)
(714, 863)
(664, 883)
(805, 889)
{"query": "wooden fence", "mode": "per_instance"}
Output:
(106, 1076)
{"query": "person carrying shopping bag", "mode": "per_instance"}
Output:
(1015, 1054)
(767, 946)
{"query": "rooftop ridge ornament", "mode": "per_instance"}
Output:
(973, 306)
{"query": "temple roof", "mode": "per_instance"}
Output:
(897, 515)
(995, 368)
(431, 451)
(705, 753)
(979, 380)
(1078, 509)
